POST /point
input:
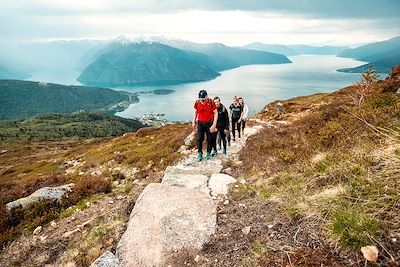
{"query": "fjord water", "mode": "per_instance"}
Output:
(257, 84)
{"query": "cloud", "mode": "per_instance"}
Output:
(310, 8)
(234, 22)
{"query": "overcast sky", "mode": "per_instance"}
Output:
(233, 22)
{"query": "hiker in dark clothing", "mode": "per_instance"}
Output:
(222, 125)
(236, 116)
(206, 115)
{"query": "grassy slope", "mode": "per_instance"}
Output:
(78, 125)
(23, 99)
(335, 166)
(148, 151)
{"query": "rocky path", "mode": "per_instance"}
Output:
(178, 213)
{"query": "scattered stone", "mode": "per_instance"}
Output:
(219, 183)
(270, 226)
(4, 151)
(236, 186)
(243, 181)
(111, 202)
(165, 219)
(394, 240)
(197, 258)
(216, 260)
(87, 204)
(53, 224)
(370, 253)
(226, 202)
(120, 197)
(115, 183)
(43, 238)
(398, 92)
(70, 233)
(246, 230)
(86, 223)
(242, 205)
(189, 139)
(37, 230)
(81, 173)
(73, 218)
(279, 106)
(107, 259)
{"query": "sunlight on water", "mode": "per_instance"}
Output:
(257, 84)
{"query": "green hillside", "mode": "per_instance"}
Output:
(23, 99)
(79, 125)
(144, 63)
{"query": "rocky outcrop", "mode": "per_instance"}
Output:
(165, 219)
(46, 193)
(108, 259)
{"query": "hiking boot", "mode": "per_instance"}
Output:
(208, 156)
(199, 156)
(224, 151)
(213, 153)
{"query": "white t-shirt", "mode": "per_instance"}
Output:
(245, 111)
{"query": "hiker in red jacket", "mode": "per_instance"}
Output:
(206, 115)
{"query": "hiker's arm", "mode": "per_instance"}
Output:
(227, 120)
(194, 118)
(213, 127)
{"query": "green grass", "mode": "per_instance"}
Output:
(353, 229)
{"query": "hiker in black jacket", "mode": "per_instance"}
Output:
(236, 116)
(222, 125)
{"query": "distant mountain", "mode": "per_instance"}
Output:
(317, 50)
(273, 48)
(9, 73)
(22, 99)
(383, 65)
(139, 63)
(221, 57)
(373, 52)
(77, 125)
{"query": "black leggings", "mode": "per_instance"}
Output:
(204, 128)
(235, 126)
(222, 137)
(243, 124)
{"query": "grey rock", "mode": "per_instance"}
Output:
(219, 184)
(193, 181)
(107, 259)
(166, 219)
(279, 106)
(189, 139)
(45, 193)
(398, 92)
(37, 230)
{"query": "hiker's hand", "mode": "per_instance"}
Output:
(239, 121)
(213, 129)
(194, 125)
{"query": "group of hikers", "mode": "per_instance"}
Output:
(216, 122)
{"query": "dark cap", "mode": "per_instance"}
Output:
(202, 94)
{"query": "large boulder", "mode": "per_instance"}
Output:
(46, 193)
(166, 219)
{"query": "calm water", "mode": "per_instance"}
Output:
(257, 84)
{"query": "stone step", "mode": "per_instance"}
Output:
(166, 219)
(192, 181)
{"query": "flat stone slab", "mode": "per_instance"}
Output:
(192, 166)
(192, 181)
(219, 184)
(107, 259)
(165, 219)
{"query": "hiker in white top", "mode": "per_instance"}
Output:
(245, 113)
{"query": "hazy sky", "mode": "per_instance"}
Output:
(233, 22)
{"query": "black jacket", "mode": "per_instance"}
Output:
(223, 118)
